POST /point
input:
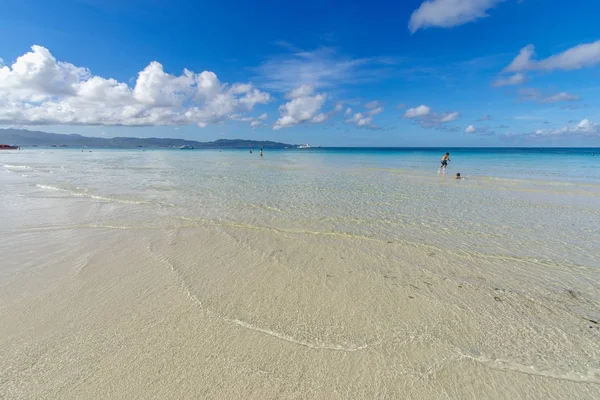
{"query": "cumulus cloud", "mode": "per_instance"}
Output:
(360, 119)
(531, 94)
(300, 110)
(581, 56)
(263, 116)
(449, 13)
(417, 112)
(304, 106)
(364, 119)
(583, 128)
(470, 129)
(513, 80)
(301, 91)
(38, 89)
(428, 118)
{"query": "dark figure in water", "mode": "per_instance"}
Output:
(261, 153)
(445, 160)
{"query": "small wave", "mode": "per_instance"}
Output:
(290, 339)
(23, 167)
(88, 195)
(591, 375)
(316, 344)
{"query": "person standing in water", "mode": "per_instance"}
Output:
(445, 160)
(261, 153)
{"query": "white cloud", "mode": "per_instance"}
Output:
(449, 13)
(301, 91)
(578, 57)
(238, 117)
(375, 111)
(302, 108)
(581, 56)
(513, 80)
(38, 89)
(562, 96)
(322, 117)
(482, 131)
(449, 116)
(417, 112)
(522, 61)
(254, 122)
(360, 119)
(585, 127)
(364, 119)
(429, 119)
(531, 94)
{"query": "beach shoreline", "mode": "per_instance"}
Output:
(219, 290)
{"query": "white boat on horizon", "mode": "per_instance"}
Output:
(304, 146)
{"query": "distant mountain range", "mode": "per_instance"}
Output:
(22, 137)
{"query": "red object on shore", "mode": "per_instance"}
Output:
(8, 147)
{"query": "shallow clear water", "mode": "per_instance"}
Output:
(322, 249)
(541, 203)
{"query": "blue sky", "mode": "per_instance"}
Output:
(362, 73)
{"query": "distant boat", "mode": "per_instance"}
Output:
(8, 147)
(186, 147)
(304, 146)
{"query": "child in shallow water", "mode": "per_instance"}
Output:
(458, 176)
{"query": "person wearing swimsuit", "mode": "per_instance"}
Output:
(445, 160)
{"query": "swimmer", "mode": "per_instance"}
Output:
(458, 176)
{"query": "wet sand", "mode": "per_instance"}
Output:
(214, 311)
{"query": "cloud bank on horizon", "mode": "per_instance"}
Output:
(39, 90)
(320, 87)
